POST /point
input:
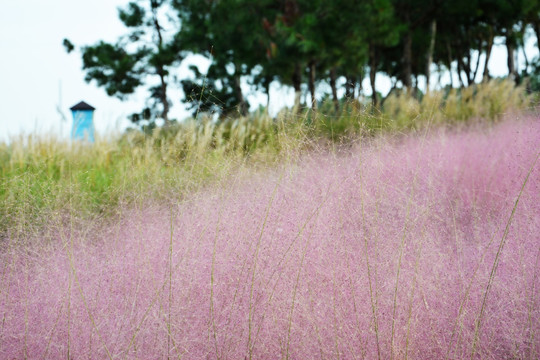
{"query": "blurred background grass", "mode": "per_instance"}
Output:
(45, 178)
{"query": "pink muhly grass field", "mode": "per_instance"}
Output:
(388, 251)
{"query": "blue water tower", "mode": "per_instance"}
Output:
(83, 122)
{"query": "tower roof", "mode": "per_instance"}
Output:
(82, 106)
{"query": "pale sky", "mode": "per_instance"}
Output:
(37, 75)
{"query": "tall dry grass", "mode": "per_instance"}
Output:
(44, 175)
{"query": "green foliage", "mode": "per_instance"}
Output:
(118, 71)
(132, 16)
(211, 94)
(146, 51)
(68, 45)
(298, 43)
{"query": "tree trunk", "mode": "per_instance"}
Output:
(242, 104)
(297, 85)
(429, 60)
(460, 70)
(373, 74)
(526, 59)
(407, 60)
(334, 90)
(522, 46)
(266, 83)
(163, 95)
(476, 67)
(467, 67)
(536, 27)
(349, 87)
(415, 85)
(360, 87)
(439, 72)
(312, 74)
(510, 60)
(485, 76)
(449, 51)
(160, 68)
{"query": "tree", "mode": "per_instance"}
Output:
(235, 44)
(303, 26)
(381, 30)
(298, 43)
(144, 53)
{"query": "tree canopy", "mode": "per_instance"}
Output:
(302, 44)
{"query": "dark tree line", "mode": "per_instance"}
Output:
(302, 43)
